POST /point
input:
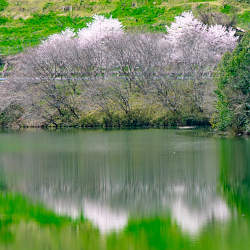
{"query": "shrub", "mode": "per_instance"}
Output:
(3, 20)
(3, 4)
(233, 91)
(11, 115)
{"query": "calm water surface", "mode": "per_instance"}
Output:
(123, 189)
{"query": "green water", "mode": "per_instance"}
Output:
(123, 189)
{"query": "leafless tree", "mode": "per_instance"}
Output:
(66, 75)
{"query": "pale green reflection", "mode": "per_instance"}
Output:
(129, 189)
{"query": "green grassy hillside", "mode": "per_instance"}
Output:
(25, 23)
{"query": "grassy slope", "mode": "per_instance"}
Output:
(25, 23)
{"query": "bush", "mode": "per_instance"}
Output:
(233, 91)
(3, 20)
(3, 4)
(135, 118)
(90, 120)
(209, 17)
(11, 115)
(176, 120)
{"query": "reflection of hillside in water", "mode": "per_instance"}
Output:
(112, 176)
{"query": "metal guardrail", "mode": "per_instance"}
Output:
(174, 77)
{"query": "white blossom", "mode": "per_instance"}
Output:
(95, 31)
(184, 25)
(99, 29)
(57, 39)
(219, 36)
(189, 35)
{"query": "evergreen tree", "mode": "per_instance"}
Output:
(233, 92)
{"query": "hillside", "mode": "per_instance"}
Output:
(25, 23)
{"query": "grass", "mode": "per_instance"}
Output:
(25, 23)
(18, 34)
(244, 19)
(149, 17)
(15, 208)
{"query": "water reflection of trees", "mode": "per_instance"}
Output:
(235, 174)
(141, 177)
(123, 173)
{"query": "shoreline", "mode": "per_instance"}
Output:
(208, 130)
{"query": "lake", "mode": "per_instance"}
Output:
(123, 189)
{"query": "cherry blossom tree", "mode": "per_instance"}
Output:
(188, 34)
(99, 29)
(196, 50)
(103, 66)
